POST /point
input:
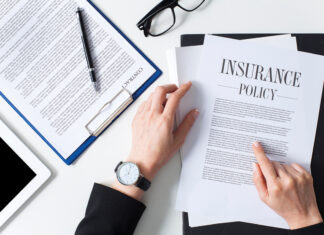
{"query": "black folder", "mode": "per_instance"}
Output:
(311, 43)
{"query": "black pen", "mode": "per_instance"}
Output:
(86, 49)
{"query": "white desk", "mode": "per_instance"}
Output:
(60, 205)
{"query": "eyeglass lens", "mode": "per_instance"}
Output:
(190, 4)
(165, 19)
(162, 22)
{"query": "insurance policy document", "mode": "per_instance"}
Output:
(43, 69)
(248, 93)
(183, 62)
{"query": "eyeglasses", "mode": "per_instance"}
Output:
(162, 17)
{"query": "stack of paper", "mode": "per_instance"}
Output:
(252, 90)
(44, 74)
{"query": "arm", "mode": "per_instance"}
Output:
(154, 141)
(289, 191)
(110, 212)
(117, 210)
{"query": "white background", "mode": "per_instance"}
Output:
(60, 205)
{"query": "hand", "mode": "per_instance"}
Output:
(154, 140)
(287, 189)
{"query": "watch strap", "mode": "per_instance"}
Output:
(118, 165)
(143, 183)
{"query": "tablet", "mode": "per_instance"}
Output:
(22, 173)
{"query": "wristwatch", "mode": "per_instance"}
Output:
(128, 174)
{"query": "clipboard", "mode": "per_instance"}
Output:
(311, 43)
(131, 97)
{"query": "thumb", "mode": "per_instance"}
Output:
(182, 131)
(260, 182)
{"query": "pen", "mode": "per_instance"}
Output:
(86, 49)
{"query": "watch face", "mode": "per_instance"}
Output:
(128, 173)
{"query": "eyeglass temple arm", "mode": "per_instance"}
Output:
(161, 6)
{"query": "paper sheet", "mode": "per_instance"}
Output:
(183, 63)
(225, 186)
(227, 218)
(43, 69)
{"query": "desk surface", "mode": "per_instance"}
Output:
(60, 205)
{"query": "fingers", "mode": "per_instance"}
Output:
(299, 168)
(260, 182)
(182, 131)
(266, 166)
(174, 99)
(280, 169)
(141, 107)
(148, 103)
(291, 171)
(159, 96)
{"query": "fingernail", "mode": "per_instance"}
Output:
(196, 113)
(256, 144)
(254, 167)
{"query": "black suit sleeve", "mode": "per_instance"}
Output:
(110, 212)
(317, 229)
(246, 228)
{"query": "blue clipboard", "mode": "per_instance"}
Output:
(92, 138)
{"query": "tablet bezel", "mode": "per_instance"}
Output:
(41, 171)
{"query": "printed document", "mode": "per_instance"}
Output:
(248, 92)
(43, 69)
(183, 63)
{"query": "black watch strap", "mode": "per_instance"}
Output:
(118, 165)
(143, 183)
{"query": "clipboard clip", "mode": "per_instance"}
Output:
(113, 115)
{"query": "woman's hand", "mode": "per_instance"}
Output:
(287, 189)
(154, 140)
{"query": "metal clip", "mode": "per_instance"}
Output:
(106, 123)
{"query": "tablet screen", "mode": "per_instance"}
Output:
(15, 174)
